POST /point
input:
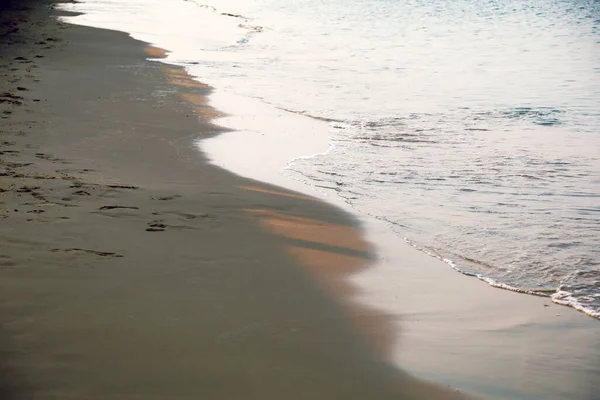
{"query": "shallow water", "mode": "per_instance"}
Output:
(472, 127)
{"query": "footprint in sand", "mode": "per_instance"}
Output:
(119, 207)
(6, 261)
(166, 198)
(44, 156)
(10, 98)
(27, 189)
(117, 211)
(183, 221)
(16, 165)
(95, 252)
(156, 226)
(122, 187)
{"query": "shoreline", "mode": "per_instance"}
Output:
(101, 138)
(131, 268)
(526, 318)
(240, 118)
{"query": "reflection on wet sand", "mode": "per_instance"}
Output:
(266, 191)
(178, 77)
(155, 52)
(331, 253)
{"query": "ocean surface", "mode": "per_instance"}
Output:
(471, 126)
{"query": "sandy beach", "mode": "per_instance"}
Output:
(132, 268)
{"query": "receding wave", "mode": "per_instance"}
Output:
(251, 29)
(580, 298)
(545, 116)
(511, 209)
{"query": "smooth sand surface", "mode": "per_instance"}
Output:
(130, 268)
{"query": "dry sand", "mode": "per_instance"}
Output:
(132, 269)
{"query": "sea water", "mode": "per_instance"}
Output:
(471, 126)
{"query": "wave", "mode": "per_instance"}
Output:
(434, 156)
(559, 296)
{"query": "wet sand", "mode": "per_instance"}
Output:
(130, 268)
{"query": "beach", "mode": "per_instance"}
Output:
(133, 268)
